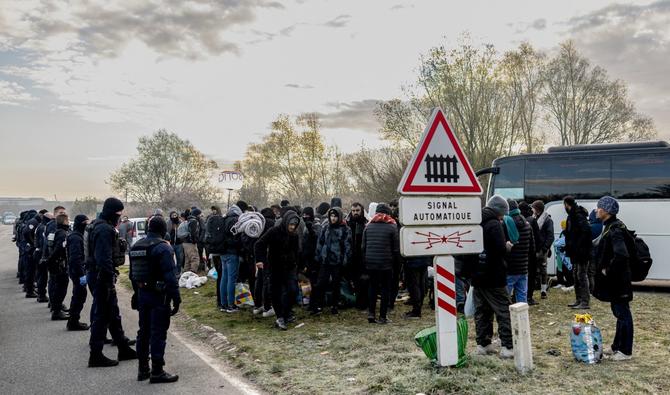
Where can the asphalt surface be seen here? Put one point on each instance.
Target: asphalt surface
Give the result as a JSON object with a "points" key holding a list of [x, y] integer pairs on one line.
{"points": [[38, 355]]}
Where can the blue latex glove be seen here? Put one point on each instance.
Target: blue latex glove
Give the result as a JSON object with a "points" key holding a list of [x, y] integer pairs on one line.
{"points": [[82, 281]]}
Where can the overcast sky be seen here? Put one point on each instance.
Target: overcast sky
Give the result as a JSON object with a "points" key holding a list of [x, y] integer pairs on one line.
{"points": [[81, 81]]}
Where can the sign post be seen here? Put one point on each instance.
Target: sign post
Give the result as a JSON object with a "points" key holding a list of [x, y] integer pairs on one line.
{"points": [[443, 222]]}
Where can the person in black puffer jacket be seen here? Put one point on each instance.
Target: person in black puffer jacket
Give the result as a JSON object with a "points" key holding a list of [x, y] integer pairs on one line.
{"points": [[278, 247], [517, 259], [533, 276], [578, 249], [333, 252], [381, 252], [490, 280]]}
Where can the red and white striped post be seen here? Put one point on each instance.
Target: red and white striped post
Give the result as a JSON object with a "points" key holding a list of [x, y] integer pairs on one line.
{"points": [[445, 311]]}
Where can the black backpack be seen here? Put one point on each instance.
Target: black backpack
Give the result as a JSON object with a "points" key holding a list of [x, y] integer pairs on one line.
{"points": [[214, 233], [640, 257]]}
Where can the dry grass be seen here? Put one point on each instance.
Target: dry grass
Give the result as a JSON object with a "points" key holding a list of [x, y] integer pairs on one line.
{"points": [[345, 354]]}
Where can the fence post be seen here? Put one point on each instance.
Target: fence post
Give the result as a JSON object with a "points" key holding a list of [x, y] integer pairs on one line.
{"points": [[523, 352]]}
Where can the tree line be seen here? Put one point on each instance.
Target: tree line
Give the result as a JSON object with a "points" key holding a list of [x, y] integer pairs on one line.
{"points": [[498, 104]]}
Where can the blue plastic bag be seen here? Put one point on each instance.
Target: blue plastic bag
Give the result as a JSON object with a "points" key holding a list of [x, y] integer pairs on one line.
{"points": [[587, 343]]}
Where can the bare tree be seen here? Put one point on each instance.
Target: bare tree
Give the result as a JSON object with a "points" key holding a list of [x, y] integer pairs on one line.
{"points": [[585, 106], [166, 166]]}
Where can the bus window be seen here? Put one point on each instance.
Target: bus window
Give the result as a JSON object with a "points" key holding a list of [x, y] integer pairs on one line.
{"points": [[643, 176], [553, 179], [509, 181]]}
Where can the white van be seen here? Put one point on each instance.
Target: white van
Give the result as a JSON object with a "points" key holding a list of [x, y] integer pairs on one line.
{"points": [[139, 229]]}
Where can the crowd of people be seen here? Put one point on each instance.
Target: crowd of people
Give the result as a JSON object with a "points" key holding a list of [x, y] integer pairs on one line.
{"points": [[276, 249], [518, 240]]}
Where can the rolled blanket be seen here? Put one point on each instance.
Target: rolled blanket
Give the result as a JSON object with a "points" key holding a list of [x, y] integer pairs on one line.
{"points": [[251, 223]]}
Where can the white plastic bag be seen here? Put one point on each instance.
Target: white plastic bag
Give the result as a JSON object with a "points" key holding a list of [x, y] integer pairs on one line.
{"points": [[184, 278], [470, 303], [191, 280]]}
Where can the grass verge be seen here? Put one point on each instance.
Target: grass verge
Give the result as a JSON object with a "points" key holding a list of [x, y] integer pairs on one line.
{"points": [[345, 354]]}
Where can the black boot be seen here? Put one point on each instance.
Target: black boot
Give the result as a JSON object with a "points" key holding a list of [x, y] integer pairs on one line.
{"points": [[75, 325], [130, 342], [158, 375], [143, 371], [99, 360], [42, 299], [126, 353], [58, 315], [31, 294]]}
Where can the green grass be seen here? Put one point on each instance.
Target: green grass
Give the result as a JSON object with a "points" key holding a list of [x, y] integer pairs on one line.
{"points": [[345, 354]]}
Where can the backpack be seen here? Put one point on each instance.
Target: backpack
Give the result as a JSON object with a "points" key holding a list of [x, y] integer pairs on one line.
{"points": [[214, 235], [640, 257], [182, 231]]}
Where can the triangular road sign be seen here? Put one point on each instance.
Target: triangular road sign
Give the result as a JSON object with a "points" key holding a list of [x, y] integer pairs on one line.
{"points": [[439, 166]]}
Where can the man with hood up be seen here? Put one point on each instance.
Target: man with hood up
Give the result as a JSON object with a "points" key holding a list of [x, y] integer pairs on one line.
{"points": [[333, 252], [77, 272], [279, 249], [104, 251], [262, 289]]}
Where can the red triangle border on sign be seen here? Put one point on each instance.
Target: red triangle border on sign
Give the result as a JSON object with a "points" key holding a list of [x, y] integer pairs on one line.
{"points": [[408, 187]]}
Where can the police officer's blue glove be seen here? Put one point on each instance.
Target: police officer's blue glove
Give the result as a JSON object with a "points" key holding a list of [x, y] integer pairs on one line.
{"points": [[82, 281]]}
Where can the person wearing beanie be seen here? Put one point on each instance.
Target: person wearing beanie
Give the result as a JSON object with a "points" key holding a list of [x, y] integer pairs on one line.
{"points": [[152, 274], [242, 205], [322, 209], [613, 276], [77, 272], [544, 244], [519, 256], [354, 273], [490, 282], [381, 252], [335, 202], [106, 253], [284, 203], [578, 246], [333, 252]]}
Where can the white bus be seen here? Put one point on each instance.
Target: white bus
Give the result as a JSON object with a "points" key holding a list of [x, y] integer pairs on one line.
{"points": [[637, 174]]}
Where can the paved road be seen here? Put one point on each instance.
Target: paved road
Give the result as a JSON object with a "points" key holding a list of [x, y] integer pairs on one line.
{"points": [[38, 355]]}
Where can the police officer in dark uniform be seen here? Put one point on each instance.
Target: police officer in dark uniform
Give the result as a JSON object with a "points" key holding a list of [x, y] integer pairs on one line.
{"points": [[104, 251], [29, 264], [77, 272], [42, 275], [18, 239], [57, 266], [54, 280], [152, 272]]}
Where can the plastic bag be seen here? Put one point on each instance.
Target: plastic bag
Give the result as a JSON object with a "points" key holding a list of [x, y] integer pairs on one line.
{"points": [[213, 274], [243, 295], [426, 339], [586, 340], [191, 280], [470, 303]]}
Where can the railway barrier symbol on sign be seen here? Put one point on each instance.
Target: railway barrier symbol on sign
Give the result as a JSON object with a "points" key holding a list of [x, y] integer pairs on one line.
{"points": [[441, 168]]}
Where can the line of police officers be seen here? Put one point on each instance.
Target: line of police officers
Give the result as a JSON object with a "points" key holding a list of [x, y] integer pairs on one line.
{"points": [[51, 254]]}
